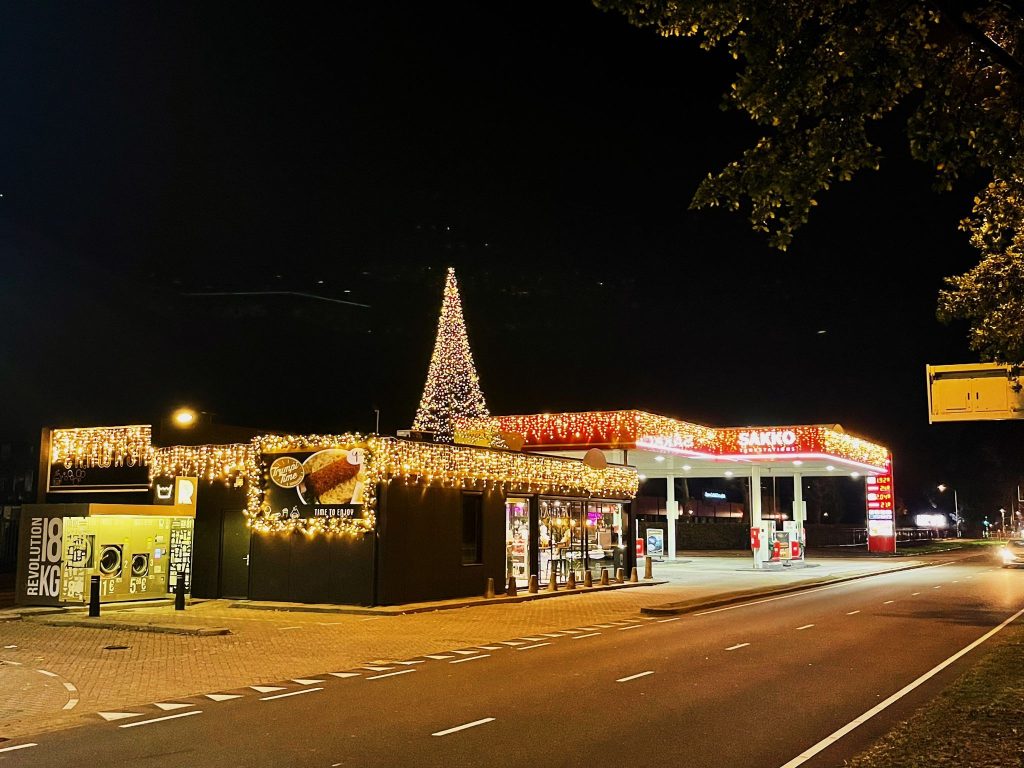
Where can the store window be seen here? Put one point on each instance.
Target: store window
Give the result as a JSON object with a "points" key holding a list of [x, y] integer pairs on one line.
{"points": [[517, 539], [472, 529], [579, 535]]}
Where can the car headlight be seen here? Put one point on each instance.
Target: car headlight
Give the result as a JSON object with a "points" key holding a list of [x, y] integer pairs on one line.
{"points": [[1008, 556]]}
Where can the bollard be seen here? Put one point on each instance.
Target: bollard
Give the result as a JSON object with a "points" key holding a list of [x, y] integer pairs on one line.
{"points": [[94, 596], [489, 591], [604, 577], [532, 588], [552, 583], [588, 580], [179, 592], [619, 576], [648, 567], [633, 576], [570, 583], [512, 590]]}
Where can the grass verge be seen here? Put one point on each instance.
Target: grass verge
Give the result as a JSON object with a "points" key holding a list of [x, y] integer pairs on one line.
{"points": [[976, 722]]}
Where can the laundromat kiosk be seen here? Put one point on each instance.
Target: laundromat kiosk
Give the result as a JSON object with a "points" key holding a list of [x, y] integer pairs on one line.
{"points": [[139, 551]]}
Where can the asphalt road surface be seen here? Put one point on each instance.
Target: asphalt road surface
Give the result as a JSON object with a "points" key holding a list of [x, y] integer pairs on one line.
{"points": [[759, 684]]}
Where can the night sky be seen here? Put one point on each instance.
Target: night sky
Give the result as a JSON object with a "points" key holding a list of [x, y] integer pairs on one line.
{"points": [[548, 151]]}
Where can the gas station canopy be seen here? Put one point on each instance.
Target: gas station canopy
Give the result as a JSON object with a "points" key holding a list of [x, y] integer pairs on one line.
{"points": [[655, 443]]}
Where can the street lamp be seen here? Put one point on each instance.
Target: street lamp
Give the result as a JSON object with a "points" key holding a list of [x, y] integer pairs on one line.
{"points": [[956, 506], [1002, 516]]}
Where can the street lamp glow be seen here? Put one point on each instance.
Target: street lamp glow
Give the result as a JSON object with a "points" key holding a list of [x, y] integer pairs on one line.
{"points": [[942, 487], [184, 417], [659, 458]]}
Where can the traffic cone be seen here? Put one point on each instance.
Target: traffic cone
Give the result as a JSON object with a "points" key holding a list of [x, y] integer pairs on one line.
{"points": [[532, 588], [588, 580], [512, 590], [649, 567], [633, 576], [489, 592], [570, 583], [604, 577]]}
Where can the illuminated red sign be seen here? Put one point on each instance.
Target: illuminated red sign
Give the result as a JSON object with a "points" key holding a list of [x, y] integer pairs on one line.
{"points": [[881, 511]]}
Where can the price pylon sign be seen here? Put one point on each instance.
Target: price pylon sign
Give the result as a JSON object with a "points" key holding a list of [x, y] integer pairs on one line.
{"points": [[881, 508]]}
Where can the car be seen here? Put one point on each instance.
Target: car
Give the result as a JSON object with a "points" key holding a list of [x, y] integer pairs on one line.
{"points": [[1013, 553]]}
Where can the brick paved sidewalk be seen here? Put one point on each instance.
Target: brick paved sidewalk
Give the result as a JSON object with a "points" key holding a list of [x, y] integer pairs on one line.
{"points": [[112, 669]]}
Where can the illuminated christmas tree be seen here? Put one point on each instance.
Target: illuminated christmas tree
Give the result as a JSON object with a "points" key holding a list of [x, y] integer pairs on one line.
{"points": [[453, 387]]}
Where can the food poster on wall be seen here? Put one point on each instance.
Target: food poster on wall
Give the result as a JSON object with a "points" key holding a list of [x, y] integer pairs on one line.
{"points": [[326, 484], [79, 559]]}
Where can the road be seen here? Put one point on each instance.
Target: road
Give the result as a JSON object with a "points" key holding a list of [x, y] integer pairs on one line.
{"points": [[751, 685]]}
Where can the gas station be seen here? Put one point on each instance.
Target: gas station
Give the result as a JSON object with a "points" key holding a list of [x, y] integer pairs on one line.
{"points": [[659, 447]]}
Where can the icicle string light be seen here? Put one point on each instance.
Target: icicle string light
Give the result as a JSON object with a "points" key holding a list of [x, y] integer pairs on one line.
{"points": [[104, 447]]}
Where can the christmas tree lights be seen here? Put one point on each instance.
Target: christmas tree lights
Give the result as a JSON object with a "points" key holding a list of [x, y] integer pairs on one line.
{"points": [[453, 387]]}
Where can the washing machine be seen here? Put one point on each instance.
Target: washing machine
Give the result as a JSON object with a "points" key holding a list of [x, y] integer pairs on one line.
{"points": [[111, 562]]}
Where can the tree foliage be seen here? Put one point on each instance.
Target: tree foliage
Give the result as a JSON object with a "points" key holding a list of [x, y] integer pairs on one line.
{"points": [[815, 75]]}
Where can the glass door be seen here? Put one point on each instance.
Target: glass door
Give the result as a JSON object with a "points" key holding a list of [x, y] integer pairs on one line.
{"points": [[517, 540]]}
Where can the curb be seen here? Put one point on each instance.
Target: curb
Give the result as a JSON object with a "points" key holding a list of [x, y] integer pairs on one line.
{"points": [[165, 629], [730, 598], [399, 610]]}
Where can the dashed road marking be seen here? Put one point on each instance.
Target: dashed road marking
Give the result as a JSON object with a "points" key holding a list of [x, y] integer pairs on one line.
{"points": [[887, 602], [283, 629], [379, 669], [344, 674], [531, 639], [282, 695], [805, 626], [737, 646], [634, 677], [581, 637], [937, 586], [161, 719], [604, 626], [914, 594], [437, 657], [531, 647], [70, 687], [851, 613], [489, 647], [572, 631], [47, 673], [468, 658], [410, 663], [18, 746], [513, 642], [170, 706], [223, 696], [305, 681], [631, 626], [551, 634], [72, 703], [266, 688], [391, 674], [108, 716], [666, 621], [463, 727], [465, 653]]}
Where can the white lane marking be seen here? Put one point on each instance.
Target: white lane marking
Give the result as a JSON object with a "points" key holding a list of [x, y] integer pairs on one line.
{"points": [[937, 586], [285, 629], [802, 592], [108, 716], [329, 623], [266, 688], [805, 626], [581, 637], [457, 728], [468, 658], [591, 629], [571, 631], [968, 577], [13, 663], [631, 626], [550, 634], [851, 613], [48, 674], [666, 621], [223, 696], [305, 681], [888, 601], [19, 746], [70, 687], [604, 626], [7, 648], [438, 657], [803, 757], [513, 642], [391, 674], [410, 663], [489, 647], [530, 647], [914, 594], [169, 706], [290, 693], [956, 581], [72, 703], [634, 677], [737, 646], [382, 669], [466, 653], [161, 719], [531, 639], [372, 618], [648, 618], [343, 674]]}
